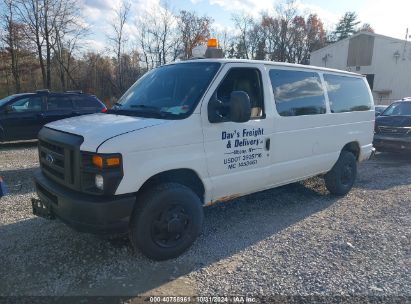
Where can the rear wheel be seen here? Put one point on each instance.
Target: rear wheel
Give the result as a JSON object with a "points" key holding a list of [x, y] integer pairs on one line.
{"points": [[340, 179], [166, 221]]}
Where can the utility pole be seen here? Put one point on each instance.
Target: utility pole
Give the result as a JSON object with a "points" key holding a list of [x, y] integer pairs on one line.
{"points": [[405, 43]]}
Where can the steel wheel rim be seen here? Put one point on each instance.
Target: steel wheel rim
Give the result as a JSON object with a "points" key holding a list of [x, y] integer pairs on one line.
{"points": [[169, 226]]}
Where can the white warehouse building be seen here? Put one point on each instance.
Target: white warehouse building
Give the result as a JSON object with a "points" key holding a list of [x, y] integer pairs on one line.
{"points": [[384, 60]]}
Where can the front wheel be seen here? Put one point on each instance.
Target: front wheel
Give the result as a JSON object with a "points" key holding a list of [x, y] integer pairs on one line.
{"points": [[340, 179], [166, 221]]}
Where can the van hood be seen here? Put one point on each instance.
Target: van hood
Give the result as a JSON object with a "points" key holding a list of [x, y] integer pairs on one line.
{"points": [[97, 128], [393, 121]]}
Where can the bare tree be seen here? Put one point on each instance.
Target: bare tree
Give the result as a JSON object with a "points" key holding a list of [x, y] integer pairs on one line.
{"points": [[45, 21], [29, 13], [244, 23], [118, 39], [12, 40], [271, 29], [366, 27], [68, 32], [286, 14], [193, 30], [224, 39], [157, 39]]}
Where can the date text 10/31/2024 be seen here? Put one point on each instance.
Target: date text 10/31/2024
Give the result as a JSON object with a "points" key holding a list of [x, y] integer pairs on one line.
{"points": [[203, 299]]}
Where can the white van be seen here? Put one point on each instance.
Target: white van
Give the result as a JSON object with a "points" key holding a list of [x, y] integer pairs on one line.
{"points": [[189, 134]]}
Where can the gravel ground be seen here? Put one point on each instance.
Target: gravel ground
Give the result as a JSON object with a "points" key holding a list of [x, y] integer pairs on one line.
{"points": [[293, 240]]}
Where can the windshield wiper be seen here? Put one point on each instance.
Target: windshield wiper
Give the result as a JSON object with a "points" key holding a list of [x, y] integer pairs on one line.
{"points": [[137, 110], [143, 106], [148, 108]]}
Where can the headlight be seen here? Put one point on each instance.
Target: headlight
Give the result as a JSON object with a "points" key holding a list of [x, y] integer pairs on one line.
{"points": [[101, 173], [99, 181]]}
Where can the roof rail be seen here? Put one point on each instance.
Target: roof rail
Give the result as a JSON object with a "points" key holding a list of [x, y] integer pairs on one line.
{"points": [[43, 91], [75, 91]]}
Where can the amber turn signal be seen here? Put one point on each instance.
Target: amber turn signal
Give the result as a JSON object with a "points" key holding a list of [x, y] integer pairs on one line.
{"points": [[97, 161], [113, 162]]}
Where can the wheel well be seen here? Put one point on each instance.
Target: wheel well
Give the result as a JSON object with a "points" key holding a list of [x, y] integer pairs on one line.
{"points": [[186, 177], [354, 148]]}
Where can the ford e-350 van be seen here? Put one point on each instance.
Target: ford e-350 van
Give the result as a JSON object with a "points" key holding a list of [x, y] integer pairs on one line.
{"points": [[192, 133]]}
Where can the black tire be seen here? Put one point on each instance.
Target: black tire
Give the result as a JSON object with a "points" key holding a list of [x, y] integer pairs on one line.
{"points": [[340, 179], [166, 221]]}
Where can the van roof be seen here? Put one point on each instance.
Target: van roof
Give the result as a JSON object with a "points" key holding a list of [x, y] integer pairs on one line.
{"points": [[271, 63]]}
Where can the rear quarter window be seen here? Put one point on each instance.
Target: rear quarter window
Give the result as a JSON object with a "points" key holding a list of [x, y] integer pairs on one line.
{"points": [[59, 103], [297, 92], [347, 94], [81, 102]]}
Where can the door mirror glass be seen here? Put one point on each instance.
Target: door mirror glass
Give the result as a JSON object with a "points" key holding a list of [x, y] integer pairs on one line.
{"points": [[240, 107]]}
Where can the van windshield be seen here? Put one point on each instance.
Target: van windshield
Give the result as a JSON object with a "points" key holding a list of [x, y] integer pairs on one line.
{"points": [[398, 109], [171, 91]]}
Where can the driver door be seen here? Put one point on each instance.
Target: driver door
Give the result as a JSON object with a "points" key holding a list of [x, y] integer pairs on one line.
{"points": [[24, 119], [238, 154]]}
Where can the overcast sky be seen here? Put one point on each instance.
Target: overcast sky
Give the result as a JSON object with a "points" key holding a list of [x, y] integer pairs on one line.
{"points": [[387, 17]]}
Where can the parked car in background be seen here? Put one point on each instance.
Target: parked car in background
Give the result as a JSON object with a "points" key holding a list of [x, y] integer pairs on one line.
{"points": [[23, 115], [379, 109], [393, 128]]}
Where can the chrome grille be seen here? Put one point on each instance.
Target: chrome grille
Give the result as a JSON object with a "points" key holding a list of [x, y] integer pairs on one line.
{"points": [[59, 155], [394, 130], [55, 159]]}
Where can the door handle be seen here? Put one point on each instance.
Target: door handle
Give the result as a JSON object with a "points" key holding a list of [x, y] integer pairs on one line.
{"points": [[267, 144], [76, 113], [40, 115]]}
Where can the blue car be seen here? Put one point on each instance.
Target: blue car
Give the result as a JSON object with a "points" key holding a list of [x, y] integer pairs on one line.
{"points": [[23, 115]]}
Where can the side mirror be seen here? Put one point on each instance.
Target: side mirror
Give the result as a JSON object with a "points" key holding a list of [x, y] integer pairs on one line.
{"points": [[8, 109], [377, 113], [238, 109]]}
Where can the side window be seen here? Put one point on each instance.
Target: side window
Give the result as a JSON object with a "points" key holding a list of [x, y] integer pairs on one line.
{"points": [[347, 94], [247, 80], [297, 92], [81, 102], [28, 104], [59, 103]]}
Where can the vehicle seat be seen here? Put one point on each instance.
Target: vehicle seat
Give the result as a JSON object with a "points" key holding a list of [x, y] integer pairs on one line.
{"points": [[245, 85]]}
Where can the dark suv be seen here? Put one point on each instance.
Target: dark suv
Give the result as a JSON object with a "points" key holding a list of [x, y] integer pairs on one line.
{"points": [[393, 128], [23, 115]]}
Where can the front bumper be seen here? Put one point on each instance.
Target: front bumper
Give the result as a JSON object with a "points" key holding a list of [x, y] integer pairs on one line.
{"points": [[85, 212], [387, 143]]}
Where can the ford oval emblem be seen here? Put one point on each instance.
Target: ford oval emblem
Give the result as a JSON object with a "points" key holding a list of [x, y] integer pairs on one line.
{"points": [[49, 158]]}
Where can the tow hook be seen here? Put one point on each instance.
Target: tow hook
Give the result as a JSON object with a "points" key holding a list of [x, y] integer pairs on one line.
{"points": [[42, 209]]}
